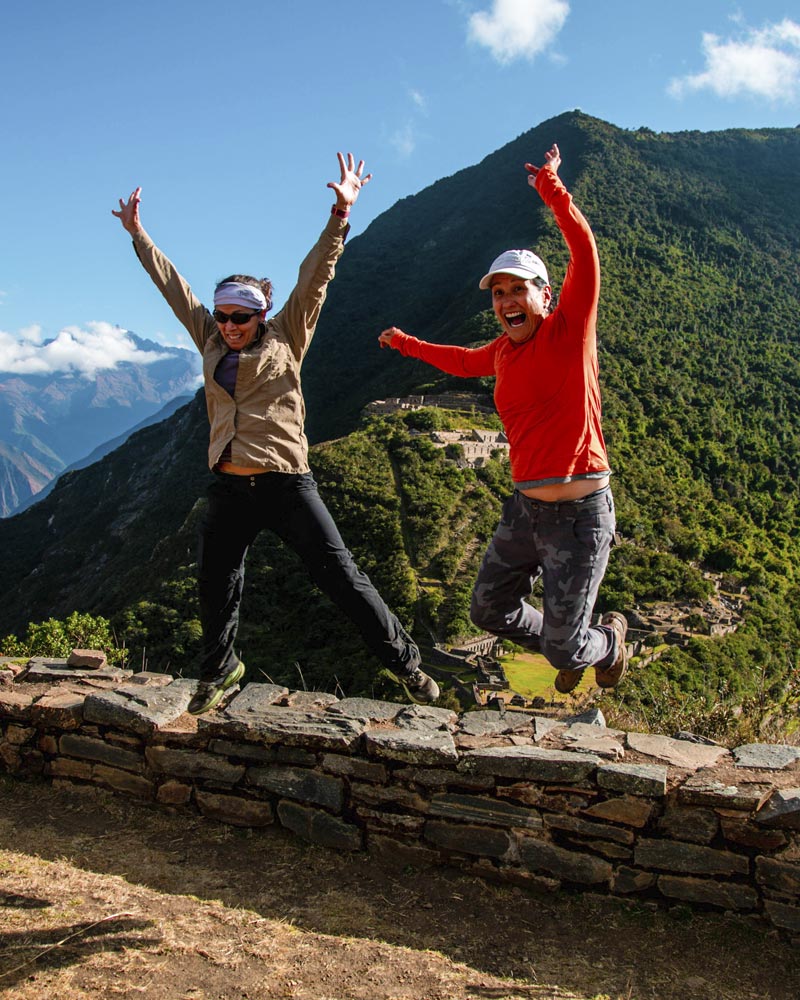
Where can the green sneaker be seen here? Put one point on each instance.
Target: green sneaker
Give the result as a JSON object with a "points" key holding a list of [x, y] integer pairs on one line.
{"points": [[209, 693]]}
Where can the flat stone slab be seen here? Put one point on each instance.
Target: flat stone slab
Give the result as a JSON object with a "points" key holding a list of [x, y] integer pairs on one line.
{"points": [[368, 709], [766, 756], [62, 709], [466, 838], [703, 789], [425, 717], [256, 697], [679, 753], [15, 705], [542, 726], [532, 763], [274, 724], [482, 809], [584, 737], [712, 892], [192, 764], [88, 659], [487, 723], [541, 856], [151, 679], [690, 859], [783, 915], [320, 827], [139, 709], [412, 745], [301, 783], [593, 730], [782, 810], [309, 700], [635, 779], [608, 749], [42, 669], [780, 876], [594, 717]]}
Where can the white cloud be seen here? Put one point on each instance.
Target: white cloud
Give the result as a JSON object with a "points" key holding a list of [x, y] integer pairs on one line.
{"points": [[404, 140], [418, 99], [762, 63], [83, 351], [518, 29], [174, 338]]}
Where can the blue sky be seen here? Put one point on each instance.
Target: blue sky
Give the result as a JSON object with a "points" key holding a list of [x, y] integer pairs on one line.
{"points": [[230, 119]]}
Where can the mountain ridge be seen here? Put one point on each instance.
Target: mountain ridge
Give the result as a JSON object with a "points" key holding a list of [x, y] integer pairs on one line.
{"points": [[48, 421]]}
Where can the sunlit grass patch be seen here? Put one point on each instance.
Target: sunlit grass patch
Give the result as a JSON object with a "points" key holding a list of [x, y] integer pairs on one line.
{"points": [[532, 676]]}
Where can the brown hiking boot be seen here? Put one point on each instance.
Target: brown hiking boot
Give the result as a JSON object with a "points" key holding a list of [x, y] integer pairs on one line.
{"points": [[609, 677], [418, 686], [567, 680]]}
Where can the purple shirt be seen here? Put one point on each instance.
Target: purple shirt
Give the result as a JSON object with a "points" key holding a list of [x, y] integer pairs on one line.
{"points": [[225, 375]]}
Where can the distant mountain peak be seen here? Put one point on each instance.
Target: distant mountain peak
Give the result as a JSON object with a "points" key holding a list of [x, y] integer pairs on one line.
{"points": [[49, 419]]}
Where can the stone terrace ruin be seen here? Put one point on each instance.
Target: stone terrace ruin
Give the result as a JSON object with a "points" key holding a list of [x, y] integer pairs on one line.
{"points": [[515, 797]]}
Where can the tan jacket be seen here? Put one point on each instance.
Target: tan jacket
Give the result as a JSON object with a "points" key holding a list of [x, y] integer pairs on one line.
{"points": [[264, 421]]}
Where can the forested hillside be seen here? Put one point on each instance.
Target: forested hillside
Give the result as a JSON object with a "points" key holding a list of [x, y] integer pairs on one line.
{"points": [[699, 330]]}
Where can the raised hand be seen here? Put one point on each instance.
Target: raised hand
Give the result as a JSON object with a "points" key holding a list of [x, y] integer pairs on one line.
{"points": [[552, 159], [128, 213], [351, 182], [385, 338]]}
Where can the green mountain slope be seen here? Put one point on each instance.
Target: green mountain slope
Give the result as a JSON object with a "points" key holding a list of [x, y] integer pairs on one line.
{"points": [[106, 534]]}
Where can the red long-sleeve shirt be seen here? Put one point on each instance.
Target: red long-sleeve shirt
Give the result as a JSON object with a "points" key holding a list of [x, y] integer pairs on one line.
{"points": [[547, 390]]}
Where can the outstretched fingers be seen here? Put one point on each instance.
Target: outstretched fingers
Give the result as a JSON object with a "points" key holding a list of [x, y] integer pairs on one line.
{"points": [[552, 159], [553, 156], [128, 213], [359, 171], [351, 181]]}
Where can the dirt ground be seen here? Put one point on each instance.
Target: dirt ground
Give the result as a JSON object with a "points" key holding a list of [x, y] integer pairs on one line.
{"points": [[100, 897]]}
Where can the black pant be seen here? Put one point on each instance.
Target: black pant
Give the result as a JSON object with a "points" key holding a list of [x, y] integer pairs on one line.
{"points": [[290, 505]]}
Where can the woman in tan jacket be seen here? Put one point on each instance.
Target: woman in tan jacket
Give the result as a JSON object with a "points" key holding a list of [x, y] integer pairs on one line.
{"points": [[258, 450]]}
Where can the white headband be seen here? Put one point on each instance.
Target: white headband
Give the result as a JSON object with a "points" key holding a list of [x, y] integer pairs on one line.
{"points": [[236, 293]]}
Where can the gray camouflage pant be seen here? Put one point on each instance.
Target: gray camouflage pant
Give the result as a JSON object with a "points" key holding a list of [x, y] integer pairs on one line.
{"points": [[567, 544]]}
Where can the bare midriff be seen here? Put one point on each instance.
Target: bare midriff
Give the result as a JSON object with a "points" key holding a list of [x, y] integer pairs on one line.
{"points": [[560, 492], [239, 470]]}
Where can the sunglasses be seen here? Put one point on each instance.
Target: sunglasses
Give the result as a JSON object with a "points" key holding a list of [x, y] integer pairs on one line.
{"points": [[238, 318]]}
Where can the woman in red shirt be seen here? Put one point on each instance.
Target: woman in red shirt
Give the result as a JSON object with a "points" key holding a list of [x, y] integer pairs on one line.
{"points": [[559, 523]]}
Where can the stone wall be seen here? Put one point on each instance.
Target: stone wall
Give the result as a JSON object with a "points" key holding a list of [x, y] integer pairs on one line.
{"points": [[510, 797]]}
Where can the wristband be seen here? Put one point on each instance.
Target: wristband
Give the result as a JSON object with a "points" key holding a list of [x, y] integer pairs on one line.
{"points": [[340, 213]]}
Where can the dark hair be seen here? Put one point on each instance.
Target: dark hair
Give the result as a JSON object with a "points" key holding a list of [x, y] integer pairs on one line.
{"points": [[264, 284], [541, 283]]}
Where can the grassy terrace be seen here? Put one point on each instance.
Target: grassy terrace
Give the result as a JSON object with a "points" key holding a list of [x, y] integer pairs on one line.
{"points": [[532, 676]]}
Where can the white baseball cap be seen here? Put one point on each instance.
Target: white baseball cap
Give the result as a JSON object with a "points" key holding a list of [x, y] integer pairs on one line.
{"points": [[522, 263]]}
